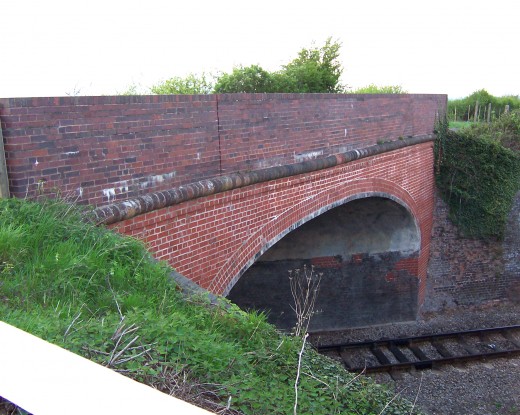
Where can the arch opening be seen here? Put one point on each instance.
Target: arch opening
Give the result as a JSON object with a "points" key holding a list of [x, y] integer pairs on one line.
{"points": [[366, 251]]}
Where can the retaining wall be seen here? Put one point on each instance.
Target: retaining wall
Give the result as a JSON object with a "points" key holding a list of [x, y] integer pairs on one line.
{"points": [[466, 272]]}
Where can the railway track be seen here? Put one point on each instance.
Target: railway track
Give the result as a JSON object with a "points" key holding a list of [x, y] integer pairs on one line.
{"points": [[426, 352]]}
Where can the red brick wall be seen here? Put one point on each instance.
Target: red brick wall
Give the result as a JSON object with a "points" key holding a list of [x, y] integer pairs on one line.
{"points": [[108, 147], [213, 239], [262, 130], [101, 149]]}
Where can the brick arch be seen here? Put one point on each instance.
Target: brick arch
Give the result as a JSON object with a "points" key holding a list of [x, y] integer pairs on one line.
{"points": [[307, 209], [213, 239]]}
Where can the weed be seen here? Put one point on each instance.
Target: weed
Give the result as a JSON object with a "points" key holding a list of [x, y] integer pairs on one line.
{"points": [[305, 286]]}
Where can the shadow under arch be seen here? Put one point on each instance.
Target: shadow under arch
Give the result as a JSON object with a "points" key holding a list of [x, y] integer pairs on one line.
{"points": [[365, 245]]}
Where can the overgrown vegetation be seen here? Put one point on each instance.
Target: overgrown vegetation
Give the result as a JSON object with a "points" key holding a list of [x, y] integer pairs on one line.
{"points": [[100, 295], [464, 109], [478, 173], [191, 84], [316, 69], [375, 89]]}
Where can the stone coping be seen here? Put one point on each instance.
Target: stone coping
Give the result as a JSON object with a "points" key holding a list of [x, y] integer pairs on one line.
{"points": [[120, 211]]}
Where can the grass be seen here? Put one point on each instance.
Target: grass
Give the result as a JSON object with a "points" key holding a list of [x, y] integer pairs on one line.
{"points": [[459, 124], [93, 292]]}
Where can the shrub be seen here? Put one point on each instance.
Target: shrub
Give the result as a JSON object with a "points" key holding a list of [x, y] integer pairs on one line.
{"points": [[465, 107], [477, 176], [251, 79], [374, 89], [190, 84], [505, 130]]}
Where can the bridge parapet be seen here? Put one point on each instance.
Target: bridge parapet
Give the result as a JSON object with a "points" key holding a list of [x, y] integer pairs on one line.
{"points": [[210, 183], [104, 149], [265, 130]]}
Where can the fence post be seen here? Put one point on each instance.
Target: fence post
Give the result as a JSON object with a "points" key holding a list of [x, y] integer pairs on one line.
{"points": [[4, 181], [475, 117], [489, 113]]}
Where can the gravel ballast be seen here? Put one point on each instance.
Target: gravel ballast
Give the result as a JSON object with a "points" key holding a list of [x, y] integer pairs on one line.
{"points": [[491, 387]]}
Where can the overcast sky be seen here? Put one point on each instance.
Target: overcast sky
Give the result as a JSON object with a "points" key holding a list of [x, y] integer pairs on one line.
{"points": [[100, 47]]}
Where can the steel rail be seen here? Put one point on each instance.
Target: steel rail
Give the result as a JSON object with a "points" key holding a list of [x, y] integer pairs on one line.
{"points": [[423, 362]]}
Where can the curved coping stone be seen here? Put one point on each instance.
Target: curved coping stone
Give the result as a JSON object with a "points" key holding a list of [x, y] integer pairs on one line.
{"points": [[117, 212]]}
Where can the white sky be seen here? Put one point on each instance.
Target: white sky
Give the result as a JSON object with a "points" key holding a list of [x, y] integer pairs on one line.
{"points": [[100, 47]]}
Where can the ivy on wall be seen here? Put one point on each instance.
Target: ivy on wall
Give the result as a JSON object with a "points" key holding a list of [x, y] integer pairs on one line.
{"points": [[478, 178]]}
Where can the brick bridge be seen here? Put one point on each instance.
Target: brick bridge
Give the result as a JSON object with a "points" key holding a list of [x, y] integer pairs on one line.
{"points": [[234, 190]]}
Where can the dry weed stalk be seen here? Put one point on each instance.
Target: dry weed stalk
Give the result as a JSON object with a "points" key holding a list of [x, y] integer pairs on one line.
{"points": [[305, 285], [304, 289]]}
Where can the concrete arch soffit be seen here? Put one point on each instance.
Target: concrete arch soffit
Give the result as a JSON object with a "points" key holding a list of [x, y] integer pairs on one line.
{"points": [[266, 244]]}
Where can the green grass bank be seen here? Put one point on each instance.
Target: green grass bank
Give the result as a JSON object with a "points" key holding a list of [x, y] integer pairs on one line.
{"points": [[101, 295]]}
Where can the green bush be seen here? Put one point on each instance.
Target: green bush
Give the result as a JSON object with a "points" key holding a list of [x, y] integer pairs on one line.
{"points": [[192, 84], [478, 176], [504, 130], [251, 79], [375, 89]]}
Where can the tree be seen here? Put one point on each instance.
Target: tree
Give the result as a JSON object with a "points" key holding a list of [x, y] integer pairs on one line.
{"points": [[190, 84], [315, 70], [374, 89], [249, 79]]}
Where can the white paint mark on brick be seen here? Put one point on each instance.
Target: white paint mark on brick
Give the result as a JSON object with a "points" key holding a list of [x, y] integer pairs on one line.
{"points": [[124, 187], [159, 178], [307, 156], [110, 194], [344, 149]]}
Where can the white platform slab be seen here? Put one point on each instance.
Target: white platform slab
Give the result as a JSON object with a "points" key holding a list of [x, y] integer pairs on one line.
{"points": [[45, 379]]}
